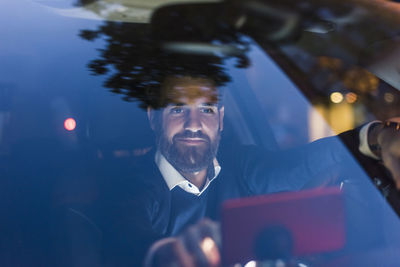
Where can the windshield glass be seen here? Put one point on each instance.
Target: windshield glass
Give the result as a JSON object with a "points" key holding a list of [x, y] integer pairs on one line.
{"points": [[126, 122]]}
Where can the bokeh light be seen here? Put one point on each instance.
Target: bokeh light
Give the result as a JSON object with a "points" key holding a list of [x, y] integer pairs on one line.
{"points": [[351, 97], [70, 124], [389, 97], [251, 264], [336, 97]]}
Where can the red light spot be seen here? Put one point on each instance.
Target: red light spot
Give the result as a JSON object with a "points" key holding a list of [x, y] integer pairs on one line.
{"points": [[69, 124]]}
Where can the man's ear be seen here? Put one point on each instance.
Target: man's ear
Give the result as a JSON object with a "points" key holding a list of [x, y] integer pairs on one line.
{"points": [[150, 116], [221, 118]]}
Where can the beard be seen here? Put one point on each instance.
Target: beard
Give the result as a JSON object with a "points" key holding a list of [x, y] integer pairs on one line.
{"points": [[188, 158]]}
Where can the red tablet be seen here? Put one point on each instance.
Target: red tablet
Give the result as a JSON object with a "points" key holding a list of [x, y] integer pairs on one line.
{"points": [[283, 225]]}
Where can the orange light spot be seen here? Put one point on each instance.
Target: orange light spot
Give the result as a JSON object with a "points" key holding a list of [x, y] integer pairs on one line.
{"points": [[351, 97], [69, 124]]}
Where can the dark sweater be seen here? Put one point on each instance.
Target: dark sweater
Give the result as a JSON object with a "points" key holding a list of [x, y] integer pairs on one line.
{"points": [[142, 209], [137, 207]]}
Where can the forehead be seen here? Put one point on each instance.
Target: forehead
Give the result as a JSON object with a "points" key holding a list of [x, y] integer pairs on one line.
{"points": [[188, 90]]}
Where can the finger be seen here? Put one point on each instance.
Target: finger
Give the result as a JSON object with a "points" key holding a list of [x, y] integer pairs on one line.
{"points": [[201, 241], [392, 163], [211, 251]]}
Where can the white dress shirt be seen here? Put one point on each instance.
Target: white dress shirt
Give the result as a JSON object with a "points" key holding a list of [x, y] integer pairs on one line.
{"points": [[173, 178]]}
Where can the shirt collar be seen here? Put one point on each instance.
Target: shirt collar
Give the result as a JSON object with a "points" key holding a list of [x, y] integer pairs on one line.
{"points": [[173, 178]]}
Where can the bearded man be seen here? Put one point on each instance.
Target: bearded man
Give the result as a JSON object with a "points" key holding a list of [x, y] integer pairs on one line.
{"points": [[188, 131], [182, 182]]}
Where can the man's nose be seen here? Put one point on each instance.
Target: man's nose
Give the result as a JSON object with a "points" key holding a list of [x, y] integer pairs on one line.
{"points": [[192, 122]]}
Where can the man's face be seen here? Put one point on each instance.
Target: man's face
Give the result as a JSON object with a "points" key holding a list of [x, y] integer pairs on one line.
{"points": [[190, 125]]}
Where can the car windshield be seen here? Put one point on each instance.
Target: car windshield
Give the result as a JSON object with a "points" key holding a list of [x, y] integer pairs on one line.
{"points": [[130, 121]]}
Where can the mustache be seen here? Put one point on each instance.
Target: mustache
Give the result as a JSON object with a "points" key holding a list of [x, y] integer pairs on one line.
{"points": [[190, 134]]}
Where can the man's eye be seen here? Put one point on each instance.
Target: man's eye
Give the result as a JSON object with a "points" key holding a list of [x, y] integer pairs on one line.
{"points": [[208, 110], [176, 110]]}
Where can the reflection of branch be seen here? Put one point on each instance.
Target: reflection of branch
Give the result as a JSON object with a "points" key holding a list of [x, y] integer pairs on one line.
{"points": [[136, 62], [84, 2]]}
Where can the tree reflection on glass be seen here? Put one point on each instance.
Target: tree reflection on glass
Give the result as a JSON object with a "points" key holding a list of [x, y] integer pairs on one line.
{"points": [[135, 59]]}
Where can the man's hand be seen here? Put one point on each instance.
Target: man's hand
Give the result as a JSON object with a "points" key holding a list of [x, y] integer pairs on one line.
{"points": [[203, 242], [388, 139], [198, 245]]}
